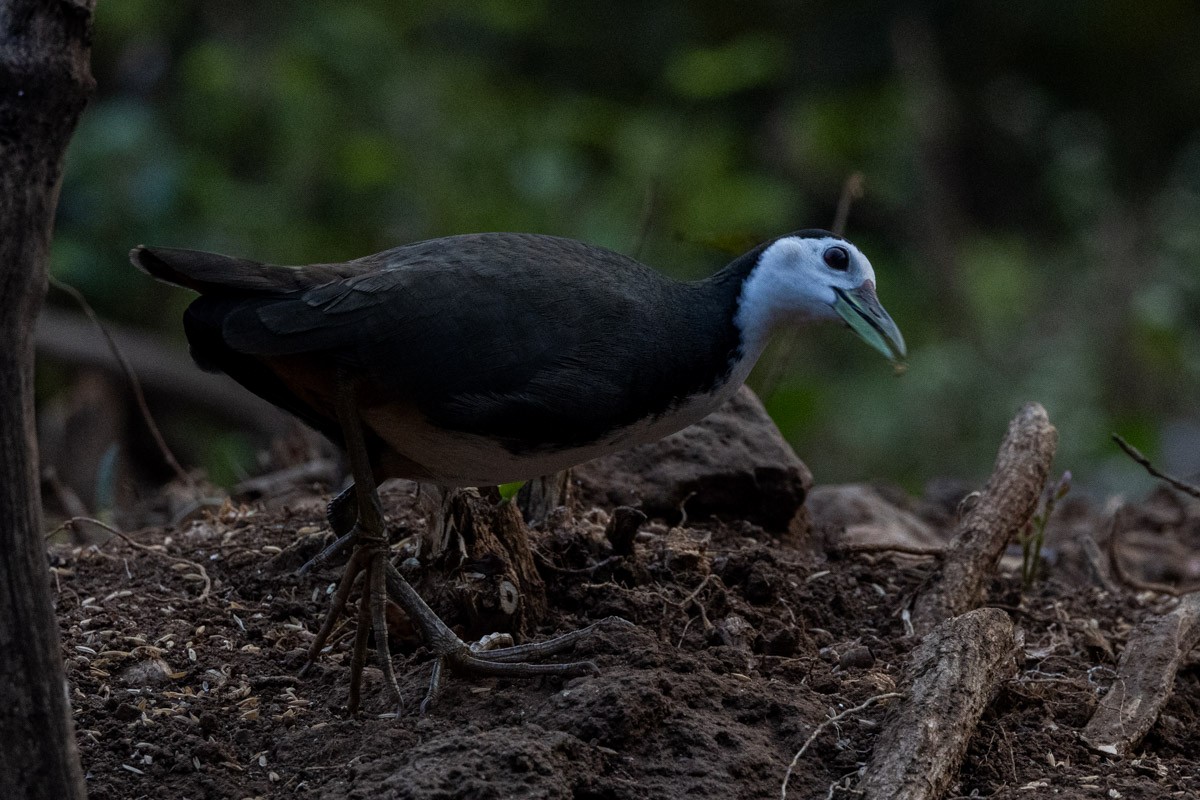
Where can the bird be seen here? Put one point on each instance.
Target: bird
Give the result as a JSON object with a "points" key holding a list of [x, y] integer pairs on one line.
{"points": [[484, 359]]}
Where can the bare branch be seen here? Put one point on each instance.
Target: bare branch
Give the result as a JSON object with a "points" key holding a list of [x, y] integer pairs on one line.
{"points": [[1136, 455]]}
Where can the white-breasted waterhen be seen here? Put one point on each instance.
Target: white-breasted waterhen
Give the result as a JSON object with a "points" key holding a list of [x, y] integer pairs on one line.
{"points": [[484, 359]]}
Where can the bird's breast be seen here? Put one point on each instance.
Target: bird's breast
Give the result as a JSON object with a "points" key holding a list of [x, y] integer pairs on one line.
{"points": [[455, 458]]}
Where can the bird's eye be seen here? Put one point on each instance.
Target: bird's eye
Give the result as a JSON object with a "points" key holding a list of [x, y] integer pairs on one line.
{"points": [[837, 257]]}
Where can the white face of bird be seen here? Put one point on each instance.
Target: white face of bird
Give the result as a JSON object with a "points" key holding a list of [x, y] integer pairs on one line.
{"points": [[811, 278]]}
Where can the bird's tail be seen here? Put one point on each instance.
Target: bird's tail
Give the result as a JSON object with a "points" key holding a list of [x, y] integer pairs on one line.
{"points": [[211, 273]]}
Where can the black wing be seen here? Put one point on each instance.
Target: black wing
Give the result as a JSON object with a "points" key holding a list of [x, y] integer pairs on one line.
{"points": [[537, 341]]}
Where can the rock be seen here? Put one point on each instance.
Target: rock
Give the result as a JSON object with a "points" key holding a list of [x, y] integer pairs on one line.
{"points": [[856, 514], [733, 462], [858, 657], [151, 672]]}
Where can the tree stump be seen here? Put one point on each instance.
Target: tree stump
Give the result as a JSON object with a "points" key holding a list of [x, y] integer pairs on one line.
{"points": [[477, 569]]}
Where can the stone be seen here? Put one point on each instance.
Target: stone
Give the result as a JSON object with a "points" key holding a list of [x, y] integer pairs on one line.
{"points": [[734, 463]]}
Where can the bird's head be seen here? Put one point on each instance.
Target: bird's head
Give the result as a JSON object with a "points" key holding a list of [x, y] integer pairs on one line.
{"points": [[810, 276]]}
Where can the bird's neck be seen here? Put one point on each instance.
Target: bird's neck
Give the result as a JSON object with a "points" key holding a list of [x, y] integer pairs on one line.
{"points": [[714, 316]]}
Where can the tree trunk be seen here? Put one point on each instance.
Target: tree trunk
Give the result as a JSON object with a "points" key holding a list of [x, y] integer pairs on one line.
{"points": [[45, 81]]}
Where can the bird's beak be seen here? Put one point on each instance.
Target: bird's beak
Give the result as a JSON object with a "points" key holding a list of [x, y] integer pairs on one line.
{"points": [[861, 309]]}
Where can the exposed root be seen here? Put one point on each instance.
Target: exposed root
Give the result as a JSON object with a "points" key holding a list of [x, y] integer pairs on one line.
{"points": [[870, 701]]}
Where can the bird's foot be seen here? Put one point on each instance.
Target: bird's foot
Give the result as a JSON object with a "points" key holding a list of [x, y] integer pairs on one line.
{"points": [[493, 656], [496, 656], [369, 559]]}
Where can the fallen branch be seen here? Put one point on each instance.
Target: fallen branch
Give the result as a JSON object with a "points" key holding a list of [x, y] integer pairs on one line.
{"points": [[1137, 456], [848, 548], [1145, 678], [322, 470], [164, 371], [955, 672], [870, 701], [1006, 505]]}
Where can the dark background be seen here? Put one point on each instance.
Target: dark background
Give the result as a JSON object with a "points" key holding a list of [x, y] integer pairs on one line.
{"points": [[1031, 172]]}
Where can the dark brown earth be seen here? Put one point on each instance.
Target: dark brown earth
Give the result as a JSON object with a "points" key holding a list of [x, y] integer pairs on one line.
{"points": [[183, 652]]}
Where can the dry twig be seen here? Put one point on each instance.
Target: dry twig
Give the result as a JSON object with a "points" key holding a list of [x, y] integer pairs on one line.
{"points": [[1132, 581], [69, 526], [885, 547], [870, 701], [1137, 456], [852, 190], [131, 376]]}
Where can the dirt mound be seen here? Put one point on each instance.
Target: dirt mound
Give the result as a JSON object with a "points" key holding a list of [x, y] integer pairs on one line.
{"points": [[183, 647], [742, 646]]}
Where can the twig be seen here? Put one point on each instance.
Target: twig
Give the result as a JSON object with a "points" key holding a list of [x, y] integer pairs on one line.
{"points": [[69, 526], [68, 500], [167, 455], [645, 219], [1137, 456], [852, 190], [885, 547], [817, 732], [588, 571], [696, 592]]}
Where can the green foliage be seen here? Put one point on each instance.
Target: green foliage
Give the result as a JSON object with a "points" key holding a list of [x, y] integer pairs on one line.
{"points": [[1033, 537], [1031, 191], [509, 490]]}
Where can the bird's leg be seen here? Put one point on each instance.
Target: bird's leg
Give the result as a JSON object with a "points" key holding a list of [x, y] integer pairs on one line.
{"points": [[383, 580], [358, 656], [505, 662], [336, 607], [371, 539]]}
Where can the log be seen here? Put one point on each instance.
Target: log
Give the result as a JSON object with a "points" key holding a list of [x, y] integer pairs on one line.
{"points": [[45, 82], [1145, 678], [1004, 508], [954, 673], [165, 371]]}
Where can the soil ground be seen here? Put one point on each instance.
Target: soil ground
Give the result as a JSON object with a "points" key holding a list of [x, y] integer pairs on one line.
{"points": [[183, 652]]}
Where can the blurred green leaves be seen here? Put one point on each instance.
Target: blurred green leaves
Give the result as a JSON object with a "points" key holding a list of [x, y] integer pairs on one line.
{"points": [[747, 62], [1066, 269]]}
